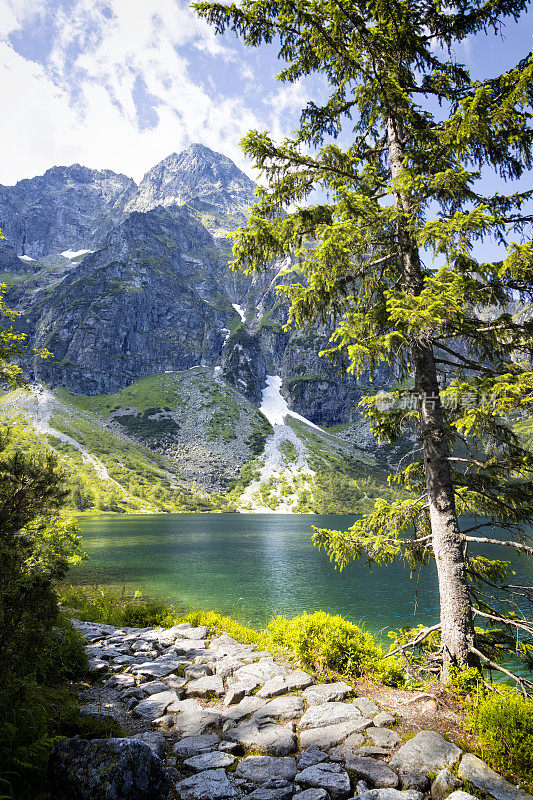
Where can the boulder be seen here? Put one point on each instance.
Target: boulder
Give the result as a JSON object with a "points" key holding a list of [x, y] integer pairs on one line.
{"points": [[311, 757], [330, 777], [426, 752], [444, 784], [106, 769], [313, 794], [383, 719], [196, 671], [476, 772], [374, 772], [262, 671], [282, 684], [260, 769], [155, 705], [213, 784], [155, 740]]}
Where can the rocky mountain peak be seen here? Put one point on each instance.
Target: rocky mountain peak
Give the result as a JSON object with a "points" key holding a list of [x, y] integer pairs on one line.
{"points": [[198, 176]]}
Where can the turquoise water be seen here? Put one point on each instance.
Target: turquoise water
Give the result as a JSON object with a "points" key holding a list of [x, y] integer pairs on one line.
{"points": [[253, 566]]}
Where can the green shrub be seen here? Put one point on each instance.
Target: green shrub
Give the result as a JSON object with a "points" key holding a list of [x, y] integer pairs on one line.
{"points": [[216, 623], [325, 643], [98, 604], [503, 722], [465, 680]]}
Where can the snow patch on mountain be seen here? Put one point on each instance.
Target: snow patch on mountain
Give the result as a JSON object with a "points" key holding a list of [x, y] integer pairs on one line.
{"points": [[240, 311], [75, 253]]}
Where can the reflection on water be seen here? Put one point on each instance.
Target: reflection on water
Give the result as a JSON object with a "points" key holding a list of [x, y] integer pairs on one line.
{"points": [[251, 566]]}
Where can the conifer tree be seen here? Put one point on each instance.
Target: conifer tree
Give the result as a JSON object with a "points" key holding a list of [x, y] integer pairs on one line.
{"points": [[389, 255]]}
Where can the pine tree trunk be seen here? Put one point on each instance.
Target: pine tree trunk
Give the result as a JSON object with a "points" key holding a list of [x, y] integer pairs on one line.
{"points": [[457, 627]]}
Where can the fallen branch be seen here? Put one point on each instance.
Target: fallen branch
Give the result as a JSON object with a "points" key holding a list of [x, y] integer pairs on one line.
{"points": [[418, 638], [492, 664]]}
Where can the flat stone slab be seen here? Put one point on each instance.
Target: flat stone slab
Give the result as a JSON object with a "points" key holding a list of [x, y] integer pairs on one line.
{"points": [[311, 757], [326, 693], [320, 716], [375, 772], [152, 687], [426, 752], [155, 705], [213, 784], [227, 666], [476, 772], [195, 723], [288, 707], [331, 735], [313, 794], [392, 794], [383, 737], [214, 760], [179, 706], [460, 795], [247, 706], [282, 684], [208, 686], [349, 747], [331, 777], [272, 740], [367, 707], [195, 745], [383, 719], [260, 769], [273, 792], [262, 671], [159, 668], [191, 633]]}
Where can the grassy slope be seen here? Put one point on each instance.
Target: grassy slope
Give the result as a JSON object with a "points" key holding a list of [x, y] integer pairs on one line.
{"points": [[144, 438]]}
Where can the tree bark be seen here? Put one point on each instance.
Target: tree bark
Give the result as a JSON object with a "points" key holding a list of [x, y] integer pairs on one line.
{"points": [[457, 626]]}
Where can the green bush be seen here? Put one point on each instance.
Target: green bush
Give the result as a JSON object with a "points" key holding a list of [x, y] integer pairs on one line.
{"points": [[465, 680], [216, 623], [503, 722], [325, 643], [98, 604]]}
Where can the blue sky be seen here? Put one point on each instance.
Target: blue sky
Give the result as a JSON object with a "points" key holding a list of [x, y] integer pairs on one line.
{"points": [[120, 84]]}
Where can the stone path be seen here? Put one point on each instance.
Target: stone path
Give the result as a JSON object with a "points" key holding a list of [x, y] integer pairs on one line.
{"points": [[229, 722]]}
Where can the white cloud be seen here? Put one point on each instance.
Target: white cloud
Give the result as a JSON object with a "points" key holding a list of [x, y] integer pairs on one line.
{"points": [[78, 105]]}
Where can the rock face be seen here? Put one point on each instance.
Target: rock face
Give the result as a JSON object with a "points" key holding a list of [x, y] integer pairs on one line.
{"points": [[106, 769], [58, 210], [156, 294]]}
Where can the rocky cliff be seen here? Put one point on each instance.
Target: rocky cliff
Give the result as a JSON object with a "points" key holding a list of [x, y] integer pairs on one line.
{"points": [[120, 282]]}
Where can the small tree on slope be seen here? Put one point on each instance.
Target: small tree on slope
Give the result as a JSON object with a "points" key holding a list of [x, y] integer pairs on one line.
{"points": [[407, 187]]}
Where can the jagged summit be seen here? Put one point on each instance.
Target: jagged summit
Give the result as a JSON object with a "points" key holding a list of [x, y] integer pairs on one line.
{"points": [[199, 176]]}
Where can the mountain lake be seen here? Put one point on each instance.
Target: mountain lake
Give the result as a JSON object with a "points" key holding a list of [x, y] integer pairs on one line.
{"points": [[254, 566]]}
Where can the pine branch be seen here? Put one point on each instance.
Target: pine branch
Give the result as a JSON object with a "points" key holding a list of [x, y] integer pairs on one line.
{"points": [[483, 540], [418, 638], [526, 626]]}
